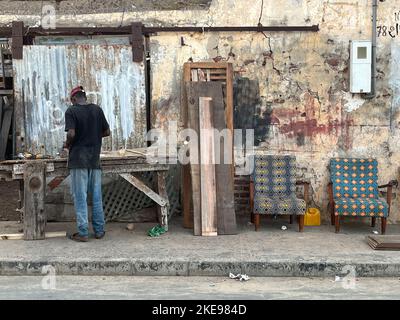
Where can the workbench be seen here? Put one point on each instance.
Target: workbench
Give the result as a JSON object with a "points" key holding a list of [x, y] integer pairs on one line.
{"points": [[34, 174]]}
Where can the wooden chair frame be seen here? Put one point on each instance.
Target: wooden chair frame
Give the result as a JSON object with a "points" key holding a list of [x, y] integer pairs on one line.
{"points": [[335, 220], [255, 217]]}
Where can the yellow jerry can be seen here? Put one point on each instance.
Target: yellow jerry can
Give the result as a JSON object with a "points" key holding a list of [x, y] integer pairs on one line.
{"points": [[312, 217]]}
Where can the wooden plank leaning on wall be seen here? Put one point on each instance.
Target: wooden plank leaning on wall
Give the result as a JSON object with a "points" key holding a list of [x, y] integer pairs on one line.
{"points": [[223, 171], [207, 169], [215, 72]]}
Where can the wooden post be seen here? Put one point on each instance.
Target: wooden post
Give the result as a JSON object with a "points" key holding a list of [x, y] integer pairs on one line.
{"points": [[17, 39], [207, 169], [34, 193], [21, 201], [137, 41], [162, 191]]}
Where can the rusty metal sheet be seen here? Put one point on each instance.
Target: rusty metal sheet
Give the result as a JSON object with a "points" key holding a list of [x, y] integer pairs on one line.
{"points": [[46, 75]]}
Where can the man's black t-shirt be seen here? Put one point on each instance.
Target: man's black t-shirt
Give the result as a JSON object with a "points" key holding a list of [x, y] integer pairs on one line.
{"points": [[89, 123]]}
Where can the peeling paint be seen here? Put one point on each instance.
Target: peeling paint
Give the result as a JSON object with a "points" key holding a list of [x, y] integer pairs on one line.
{"points": [[352, 103]]}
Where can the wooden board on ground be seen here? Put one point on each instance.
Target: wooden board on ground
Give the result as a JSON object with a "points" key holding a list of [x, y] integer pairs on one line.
{"points": [[207, 169], [224, 172], [20, 236], [384, 242]]}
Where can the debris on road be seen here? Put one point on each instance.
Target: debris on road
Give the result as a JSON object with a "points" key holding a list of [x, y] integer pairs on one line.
{"points": [[239, 277]]}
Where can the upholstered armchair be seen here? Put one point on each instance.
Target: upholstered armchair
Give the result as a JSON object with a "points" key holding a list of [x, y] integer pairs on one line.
{"points": [[354, 191], [273, 189]]}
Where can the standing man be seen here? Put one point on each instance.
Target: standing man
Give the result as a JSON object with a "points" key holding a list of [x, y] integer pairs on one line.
{"points": [[85, 125]]}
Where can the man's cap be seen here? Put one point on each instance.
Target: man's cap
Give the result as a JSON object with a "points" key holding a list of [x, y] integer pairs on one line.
{"points": [[76, 90]]}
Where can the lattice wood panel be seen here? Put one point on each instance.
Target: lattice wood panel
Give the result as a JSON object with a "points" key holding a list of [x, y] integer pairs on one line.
{"points": [[121, 200]]}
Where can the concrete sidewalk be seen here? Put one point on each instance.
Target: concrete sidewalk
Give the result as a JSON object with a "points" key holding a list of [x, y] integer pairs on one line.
{"points": [[269, 253]]}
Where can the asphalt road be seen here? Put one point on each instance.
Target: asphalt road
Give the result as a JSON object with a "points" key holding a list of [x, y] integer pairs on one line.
{"points": [[201, 288]]}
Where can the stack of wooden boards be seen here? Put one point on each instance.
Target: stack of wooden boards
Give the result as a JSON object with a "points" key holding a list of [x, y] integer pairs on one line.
{"points": [[384, 242], [208, 185], [6, 113]]}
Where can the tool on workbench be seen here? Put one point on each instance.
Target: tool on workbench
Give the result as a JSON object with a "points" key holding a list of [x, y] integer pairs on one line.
{"points": [[30, 156]]}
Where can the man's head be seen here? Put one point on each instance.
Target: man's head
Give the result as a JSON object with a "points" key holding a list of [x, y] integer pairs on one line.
{"points": [[78, 95]]}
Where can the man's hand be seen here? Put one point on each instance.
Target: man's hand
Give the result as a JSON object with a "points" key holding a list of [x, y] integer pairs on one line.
{"points": [[106, 133], [66, 145]]}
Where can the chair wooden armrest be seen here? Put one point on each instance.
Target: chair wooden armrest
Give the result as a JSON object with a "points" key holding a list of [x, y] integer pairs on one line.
{"points": [[389, 193], [306, 186]]}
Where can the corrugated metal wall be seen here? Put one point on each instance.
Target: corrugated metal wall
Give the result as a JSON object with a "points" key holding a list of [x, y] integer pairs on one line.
{"points": [[45, 76]]}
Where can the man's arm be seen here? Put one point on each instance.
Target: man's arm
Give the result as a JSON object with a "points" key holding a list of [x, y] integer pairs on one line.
{"points": [[70, 138], [69, 128], [104, 124]]}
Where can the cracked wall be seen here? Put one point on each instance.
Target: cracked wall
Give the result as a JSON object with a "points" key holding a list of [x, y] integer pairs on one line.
{"points": [[304, 105]]}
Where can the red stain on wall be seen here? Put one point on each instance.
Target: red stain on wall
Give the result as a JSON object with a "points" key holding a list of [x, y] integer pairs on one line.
{"points": [[306, 124], [311, 128]]}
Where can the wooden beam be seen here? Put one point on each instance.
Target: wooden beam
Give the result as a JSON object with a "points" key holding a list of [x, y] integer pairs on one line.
{"points": [[55, 182], [17, 39], [34, 193], [193, 123], [20, 236], [207, 169], [186, 180], [137, 42], [161, 201], [223, 170]]}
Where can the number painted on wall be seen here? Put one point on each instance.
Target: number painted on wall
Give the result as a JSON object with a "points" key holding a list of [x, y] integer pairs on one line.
{"points": [[392, 30]]}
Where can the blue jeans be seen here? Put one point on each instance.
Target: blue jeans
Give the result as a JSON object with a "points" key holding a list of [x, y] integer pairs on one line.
{"points": [[84, 181]]}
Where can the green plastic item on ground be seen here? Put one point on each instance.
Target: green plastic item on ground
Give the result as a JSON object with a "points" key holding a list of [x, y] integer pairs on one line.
{"points": [[156, 231]]}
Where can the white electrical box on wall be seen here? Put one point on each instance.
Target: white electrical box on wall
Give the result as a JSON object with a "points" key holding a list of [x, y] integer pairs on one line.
{"points": [[360, 66]]}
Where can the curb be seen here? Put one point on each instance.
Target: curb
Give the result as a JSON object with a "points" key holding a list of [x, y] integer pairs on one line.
{"points": [[125, 267]]}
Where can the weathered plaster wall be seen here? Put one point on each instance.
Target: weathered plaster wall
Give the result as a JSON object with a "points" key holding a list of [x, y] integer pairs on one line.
{"points": [[304, 105], [303, 80]]}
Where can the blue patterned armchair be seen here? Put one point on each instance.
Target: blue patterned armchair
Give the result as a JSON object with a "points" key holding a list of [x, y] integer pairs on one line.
{"points": [[354, 191], [273, 189]]}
